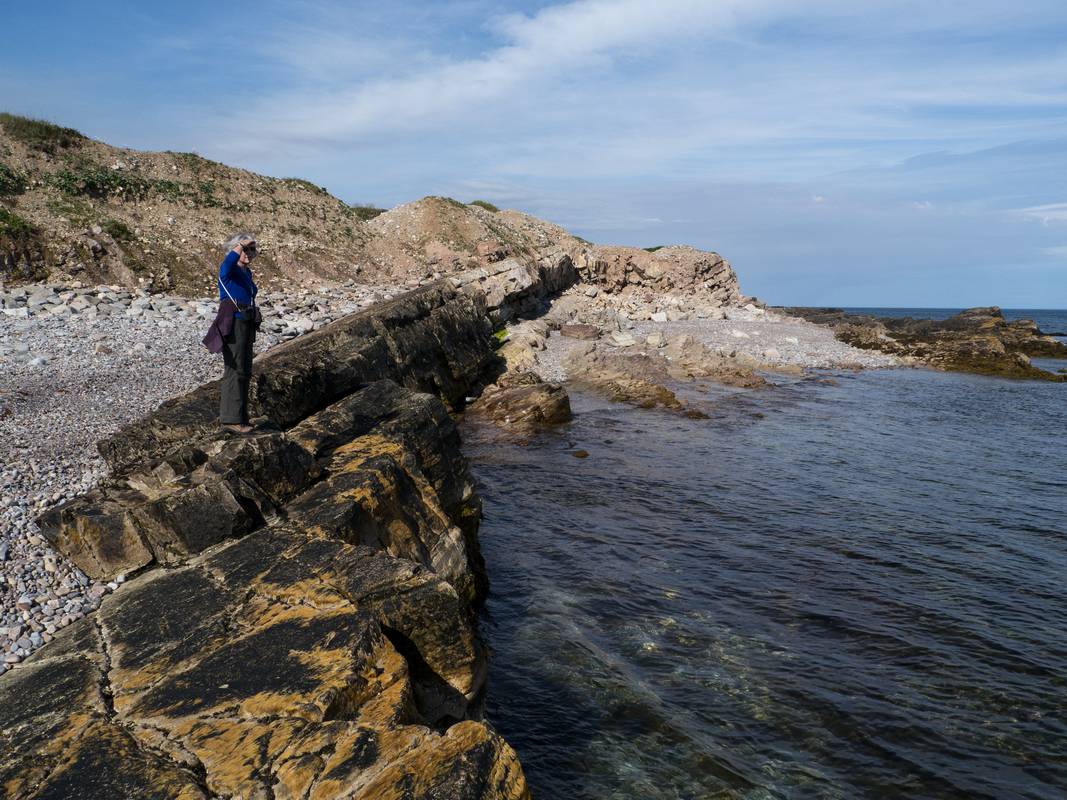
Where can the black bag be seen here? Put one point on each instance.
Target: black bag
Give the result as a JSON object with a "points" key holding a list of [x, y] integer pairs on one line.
{"points": [[251, 313]]}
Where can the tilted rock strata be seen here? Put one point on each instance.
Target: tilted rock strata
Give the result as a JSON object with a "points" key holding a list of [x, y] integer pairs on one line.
{"points": [[432, 339], [977, 340], [309, 634], [271, 667]]}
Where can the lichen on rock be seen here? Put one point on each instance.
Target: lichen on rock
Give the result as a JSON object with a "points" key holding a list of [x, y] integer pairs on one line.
{"points": [[299, 622]]}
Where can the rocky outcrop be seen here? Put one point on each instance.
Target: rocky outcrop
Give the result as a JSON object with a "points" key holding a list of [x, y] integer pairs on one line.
{"points": [[515, 287], [295, 379], [700, 275], [977, 340], [276, 666], [299, 621]]}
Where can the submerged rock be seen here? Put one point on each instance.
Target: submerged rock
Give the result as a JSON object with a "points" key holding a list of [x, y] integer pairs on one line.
{"points": [[524, 403]]}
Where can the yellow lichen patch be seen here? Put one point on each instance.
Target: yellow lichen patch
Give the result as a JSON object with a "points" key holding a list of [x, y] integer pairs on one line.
{"points": [[359, 757], [73, 729], [264, 611], [368, 446], [388, 698], [312, 591], [300, 761], [333, 675], [128, 684], [232, 751]]}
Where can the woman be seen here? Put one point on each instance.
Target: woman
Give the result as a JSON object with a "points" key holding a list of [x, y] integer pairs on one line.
{"points": [[234, 331]]}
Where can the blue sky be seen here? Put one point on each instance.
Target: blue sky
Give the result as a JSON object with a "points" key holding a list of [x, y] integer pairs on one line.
{"points": [[874, 153]]}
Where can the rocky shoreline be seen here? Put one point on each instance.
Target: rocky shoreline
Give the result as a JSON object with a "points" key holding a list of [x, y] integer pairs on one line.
{"points": [[353, 487], [300, 622], [78, 363], [75, 375], [978, 340]]}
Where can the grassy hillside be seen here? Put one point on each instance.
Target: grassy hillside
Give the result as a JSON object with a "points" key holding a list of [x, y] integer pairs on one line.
{"points": [[72, 206]]}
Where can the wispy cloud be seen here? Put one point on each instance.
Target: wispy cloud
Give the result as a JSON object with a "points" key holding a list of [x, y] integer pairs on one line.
{"points": [[1046, 214]]}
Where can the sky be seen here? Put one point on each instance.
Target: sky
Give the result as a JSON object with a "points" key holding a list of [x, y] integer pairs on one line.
{"points": [[903, 153]]}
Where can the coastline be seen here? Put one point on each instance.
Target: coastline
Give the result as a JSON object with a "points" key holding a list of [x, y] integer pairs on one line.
{"points": [[434, 339], [98, 374]]}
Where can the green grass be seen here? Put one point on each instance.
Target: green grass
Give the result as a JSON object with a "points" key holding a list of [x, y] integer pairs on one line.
{"points": [[452, 201], [365, 212], [194, 162], [99, 182], [654, 249], [11, 182], [14, 226], [117, 230], [303, 184], [484, 204], [40, 135]]}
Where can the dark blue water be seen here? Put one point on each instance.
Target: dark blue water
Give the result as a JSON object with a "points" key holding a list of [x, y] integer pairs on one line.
{"points": [[842, 589]]}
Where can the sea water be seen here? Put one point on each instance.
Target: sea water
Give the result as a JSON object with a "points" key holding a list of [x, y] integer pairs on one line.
{"points": [[843, 586]]}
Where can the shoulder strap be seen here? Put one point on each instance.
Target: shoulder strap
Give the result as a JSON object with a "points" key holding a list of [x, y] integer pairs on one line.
{"points": [[222, 283]]}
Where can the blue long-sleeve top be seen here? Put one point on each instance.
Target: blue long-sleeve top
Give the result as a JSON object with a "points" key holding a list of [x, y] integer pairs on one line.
{"points": [[236, 280]]}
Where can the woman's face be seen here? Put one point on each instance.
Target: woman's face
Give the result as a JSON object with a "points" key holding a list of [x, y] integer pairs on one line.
{"points": [[243, 259]]}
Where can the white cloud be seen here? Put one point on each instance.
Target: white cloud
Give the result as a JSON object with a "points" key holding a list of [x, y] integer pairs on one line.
{"points": [[1060, 251], [554, 42], [1051, 212]]}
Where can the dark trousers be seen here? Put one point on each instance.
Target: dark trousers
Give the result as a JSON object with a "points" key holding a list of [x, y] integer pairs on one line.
{"points": [[237, 356]]}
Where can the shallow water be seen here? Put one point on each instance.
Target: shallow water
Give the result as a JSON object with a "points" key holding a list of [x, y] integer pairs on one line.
{"points": [[825, 591]]}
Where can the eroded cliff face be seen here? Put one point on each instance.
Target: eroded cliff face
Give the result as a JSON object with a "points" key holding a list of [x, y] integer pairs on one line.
{"points": [[301, 623]]}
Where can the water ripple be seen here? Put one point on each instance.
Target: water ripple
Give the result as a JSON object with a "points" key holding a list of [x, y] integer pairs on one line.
{"points": [[823, 592]]}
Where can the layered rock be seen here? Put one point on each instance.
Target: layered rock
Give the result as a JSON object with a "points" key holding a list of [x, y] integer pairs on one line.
{"points": [[977, 340], [304, 628], [276, 666], [295, 379], [523, 403], [704, 277]]}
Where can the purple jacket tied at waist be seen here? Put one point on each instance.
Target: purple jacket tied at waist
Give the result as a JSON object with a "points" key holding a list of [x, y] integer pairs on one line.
{"points": [[221, 327]]}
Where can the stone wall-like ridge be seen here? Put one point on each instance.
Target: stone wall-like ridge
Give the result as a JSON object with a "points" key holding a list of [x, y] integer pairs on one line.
{"points": [[299, 622]]}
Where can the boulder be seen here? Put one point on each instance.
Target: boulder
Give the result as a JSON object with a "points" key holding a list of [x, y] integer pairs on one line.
{"points": [[524, 403], [578, 331]]}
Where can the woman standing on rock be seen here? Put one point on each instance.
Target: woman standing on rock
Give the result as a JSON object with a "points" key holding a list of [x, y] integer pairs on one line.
{"points": [[234, 331]]}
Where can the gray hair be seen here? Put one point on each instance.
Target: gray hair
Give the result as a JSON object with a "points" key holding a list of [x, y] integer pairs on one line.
{"points": [[236, 239]]}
